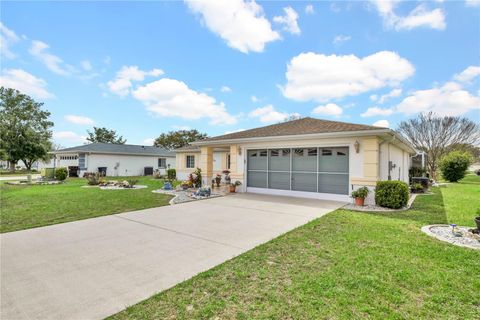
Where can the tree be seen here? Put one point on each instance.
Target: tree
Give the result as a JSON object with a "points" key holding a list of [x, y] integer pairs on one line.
{"points": [[24, 128], [454, 165], [105, 135], [178, 139], [434, 135]]}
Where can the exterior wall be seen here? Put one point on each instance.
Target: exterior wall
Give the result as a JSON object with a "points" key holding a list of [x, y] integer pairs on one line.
{"points": [[219, 163], [128, 165], [399, 158]]}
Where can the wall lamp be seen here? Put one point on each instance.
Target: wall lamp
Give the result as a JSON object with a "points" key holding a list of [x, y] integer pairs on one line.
{"points": [[356, 145]]}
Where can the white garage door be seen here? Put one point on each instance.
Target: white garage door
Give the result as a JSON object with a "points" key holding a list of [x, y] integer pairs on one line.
{"points": [[322, 170]]}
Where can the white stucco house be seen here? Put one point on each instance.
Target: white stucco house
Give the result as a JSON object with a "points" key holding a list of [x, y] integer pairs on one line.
{"points": [[307, 157], [113, 159]]}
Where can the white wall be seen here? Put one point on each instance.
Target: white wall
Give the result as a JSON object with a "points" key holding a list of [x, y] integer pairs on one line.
{"points": [[400, 158], [128, 165]]}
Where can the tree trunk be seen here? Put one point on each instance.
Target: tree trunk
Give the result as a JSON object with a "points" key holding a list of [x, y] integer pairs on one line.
{"points": [[12, 166], [28, 164]]}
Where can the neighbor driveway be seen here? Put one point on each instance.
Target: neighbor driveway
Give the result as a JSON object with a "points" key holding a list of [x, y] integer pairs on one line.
{"points": [[93, 268]]}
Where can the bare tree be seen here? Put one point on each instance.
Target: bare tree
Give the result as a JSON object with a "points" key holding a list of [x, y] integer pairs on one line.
{"points": [[434, 135]]}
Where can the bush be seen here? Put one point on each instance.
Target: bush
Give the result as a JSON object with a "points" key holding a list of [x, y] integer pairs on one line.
{"points": [[477, 172], [132, 182], [61, 174], [416, 187], [391, 194], [93, 178], [454, 165], [171, 174]]}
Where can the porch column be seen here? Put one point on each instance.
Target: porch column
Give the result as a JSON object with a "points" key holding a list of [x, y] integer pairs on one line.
{"points": [[371, 150], [236, 168], [206, 164]]}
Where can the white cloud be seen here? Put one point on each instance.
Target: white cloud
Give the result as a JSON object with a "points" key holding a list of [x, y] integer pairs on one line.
{"points": [[374, 97], [82, 120], [7, 38], [472, 3], [381, 123], [375, 111], [86, 65], [468, 74], [289, 20], [420, 16], [25, 83], [241, 24], [148, 142], [449, 99], [69, 136], [172, 98], [341, 38], [392, 94], [269, 114], [39, 50], [330, 109], [309, 9], [225, 89], [122, 83], [254, 99], [312, 76], [233, 131]]}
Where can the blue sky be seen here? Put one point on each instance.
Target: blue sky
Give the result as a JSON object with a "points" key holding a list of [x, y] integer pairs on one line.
{"points": [[143, 68]]}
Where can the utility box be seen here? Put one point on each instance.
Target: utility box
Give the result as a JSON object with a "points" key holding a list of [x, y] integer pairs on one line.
{"points": [[148, 171]]}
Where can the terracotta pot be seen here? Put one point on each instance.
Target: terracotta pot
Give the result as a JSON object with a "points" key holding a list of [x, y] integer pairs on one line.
{"points": [[359, 201], [232, 188]]}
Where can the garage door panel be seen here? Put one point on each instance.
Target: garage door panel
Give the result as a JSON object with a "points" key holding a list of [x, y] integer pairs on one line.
{"points": [[304, 182], [333, 183], [279, 160], [279, 180], [304, 159], [257, 179], [257, 160], [333, 160]]}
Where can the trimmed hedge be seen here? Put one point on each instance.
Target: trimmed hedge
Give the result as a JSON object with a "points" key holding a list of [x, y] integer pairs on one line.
{"points": [[391, 194], [61, 174], [171, 174], [454, 165]]}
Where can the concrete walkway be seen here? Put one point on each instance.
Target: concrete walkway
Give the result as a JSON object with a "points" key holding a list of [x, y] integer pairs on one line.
{"points": [[93, 268], [18, 178]]}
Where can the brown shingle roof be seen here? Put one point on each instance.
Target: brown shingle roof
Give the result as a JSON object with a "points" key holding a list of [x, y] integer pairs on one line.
{"points": [[295, 127]]}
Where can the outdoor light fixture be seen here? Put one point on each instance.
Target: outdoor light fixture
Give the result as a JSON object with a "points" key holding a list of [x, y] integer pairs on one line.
{"points": [[356, 145]]}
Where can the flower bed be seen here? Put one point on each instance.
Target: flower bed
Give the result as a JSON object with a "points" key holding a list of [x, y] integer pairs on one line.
{"points": [[459, 236]]}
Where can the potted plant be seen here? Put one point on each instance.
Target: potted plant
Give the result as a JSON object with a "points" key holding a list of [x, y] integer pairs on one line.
{"points": [[359, 195], [477, 220], [234, 185], [218, 179]]}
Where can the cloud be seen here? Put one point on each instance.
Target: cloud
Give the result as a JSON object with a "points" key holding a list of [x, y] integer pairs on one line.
{"points": [[254, 99], [330, 109], [225, 89], [25, 83], [312, 76], [309, 9], [69, 136], [39, 50], [468, 74], [420, 16], [472, 3], [449, 99], [269, 114], [341, 39], [392, 94], [86, 65], [241, 24], [375, 111], [122, 83], [148, 142], [7, 38], [233, 131], [381, 123], [172, 98], [79, 119], [289, 20]]}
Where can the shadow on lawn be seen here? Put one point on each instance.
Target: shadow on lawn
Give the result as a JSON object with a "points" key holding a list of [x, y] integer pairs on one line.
{"points": [[426, 209]]}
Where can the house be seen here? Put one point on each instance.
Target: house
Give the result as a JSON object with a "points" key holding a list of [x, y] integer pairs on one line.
{"points": [[307, 157], [113, 159]]}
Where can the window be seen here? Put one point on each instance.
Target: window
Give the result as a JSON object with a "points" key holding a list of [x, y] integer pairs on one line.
{"points": [[312, 152], [286, 152], [190, 163], [253, 154], [339, 153], [298, 152], [263, 153], [162, 162], [274, 153], [68, 157], [326, 152]]}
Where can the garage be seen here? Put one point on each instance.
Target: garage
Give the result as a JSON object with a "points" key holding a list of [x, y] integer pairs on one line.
{"points": [[313, 169]]}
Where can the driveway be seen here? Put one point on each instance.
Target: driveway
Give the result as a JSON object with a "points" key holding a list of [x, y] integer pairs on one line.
{"points": [[93, 268]]}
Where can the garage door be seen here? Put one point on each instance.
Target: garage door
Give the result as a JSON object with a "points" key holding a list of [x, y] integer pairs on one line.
{"points": [[323, 170]]}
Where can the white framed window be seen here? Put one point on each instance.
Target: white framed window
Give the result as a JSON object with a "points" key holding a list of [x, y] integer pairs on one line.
{"points": [[162, 163], [190, 162]]}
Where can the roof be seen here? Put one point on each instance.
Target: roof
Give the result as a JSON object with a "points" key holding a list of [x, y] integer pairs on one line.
{"points": [[110, 148], [188, 148], [295, 127]]}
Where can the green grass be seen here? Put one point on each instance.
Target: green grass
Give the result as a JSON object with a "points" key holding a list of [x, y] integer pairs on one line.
{"points": [[24, 207], [345, 265]]}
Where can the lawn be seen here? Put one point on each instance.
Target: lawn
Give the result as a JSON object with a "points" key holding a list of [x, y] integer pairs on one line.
{"points": [[345, 265], [24, 207]]}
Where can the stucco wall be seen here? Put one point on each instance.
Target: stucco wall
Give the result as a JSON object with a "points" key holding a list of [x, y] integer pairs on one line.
{"points": [[219, 163], [129, 165], [400, 158]]}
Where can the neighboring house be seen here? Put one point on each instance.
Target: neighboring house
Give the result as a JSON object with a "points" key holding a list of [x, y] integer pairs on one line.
{"points": [[113, 159], [307, 157]]}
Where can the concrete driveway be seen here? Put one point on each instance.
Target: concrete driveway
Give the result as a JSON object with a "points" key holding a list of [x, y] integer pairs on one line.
{"points": [[93, 268]]}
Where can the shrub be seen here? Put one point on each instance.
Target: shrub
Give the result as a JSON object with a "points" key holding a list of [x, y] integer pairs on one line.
{"points": [[61, 174], [132, 182], [416, 187], [391, 194], [196, 178], [171, 174], [477, 172], [360, 193], [454, 165], [93, 178]]}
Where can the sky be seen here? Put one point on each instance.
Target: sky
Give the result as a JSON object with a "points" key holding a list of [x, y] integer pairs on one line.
{"points": [[145, 68]]}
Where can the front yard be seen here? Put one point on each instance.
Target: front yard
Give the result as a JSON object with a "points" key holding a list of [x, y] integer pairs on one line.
{"points": [[344, 265], [24, 207]]}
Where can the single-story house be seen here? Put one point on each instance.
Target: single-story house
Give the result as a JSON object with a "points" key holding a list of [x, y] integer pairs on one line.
{"points": [[307, 157], [113, 159]]}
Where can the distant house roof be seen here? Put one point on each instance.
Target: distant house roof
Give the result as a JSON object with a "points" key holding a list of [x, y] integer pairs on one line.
{"points": [[110, 148]]}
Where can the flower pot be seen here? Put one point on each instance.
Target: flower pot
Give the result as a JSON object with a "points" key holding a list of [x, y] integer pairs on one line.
{"points": [[359, 201], [477, 221], [232, 188]]}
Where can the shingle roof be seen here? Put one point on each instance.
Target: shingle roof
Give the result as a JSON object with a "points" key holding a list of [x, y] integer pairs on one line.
{"points": [[295, 127], [119, 149]]}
